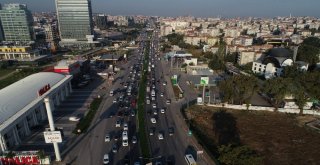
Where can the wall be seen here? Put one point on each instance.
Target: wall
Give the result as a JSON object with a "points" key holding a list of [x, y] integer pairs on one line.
{"points": [[259, 108]]}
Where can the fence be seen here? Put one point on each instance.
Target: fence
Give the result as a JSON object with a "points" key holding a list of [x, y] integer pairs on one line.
{"points": [[260, 108]]}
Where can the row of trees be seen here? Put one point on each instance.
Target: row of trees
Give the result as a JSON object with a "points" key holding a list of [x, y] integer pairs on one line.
{"points": [[302, 86]]}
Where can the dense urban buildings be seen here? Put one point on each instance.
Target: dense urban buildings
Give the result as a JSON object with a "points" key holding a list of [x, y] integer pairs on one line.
{"points": [[16, 22], [75, 20]]}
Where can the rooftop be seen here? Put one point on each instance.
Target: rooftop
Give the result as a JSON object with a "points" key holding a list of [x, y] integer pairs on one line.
{"points": [[21, 93]]}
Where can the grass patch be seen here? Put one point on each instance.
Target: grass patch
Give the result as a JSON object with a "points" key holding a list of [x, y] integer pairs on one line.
{"points": [[85, 123], [18, 76], [4, 72], [176, 91], [141, 109]]}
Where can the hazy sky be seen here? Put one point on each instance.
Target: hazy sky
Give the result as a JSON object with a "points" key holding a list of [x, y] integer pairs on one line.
{"points": [[199, 8]]}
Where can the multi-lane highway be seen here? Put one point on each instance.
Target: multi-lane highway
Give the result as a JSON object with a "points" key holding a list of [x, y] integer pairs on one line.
{"points": [[90, 147], [167, 136]]}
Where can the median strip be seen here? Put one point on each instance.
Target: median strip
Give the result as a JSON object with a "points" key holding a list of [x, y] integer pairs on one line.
{"points": [[85, 123]]}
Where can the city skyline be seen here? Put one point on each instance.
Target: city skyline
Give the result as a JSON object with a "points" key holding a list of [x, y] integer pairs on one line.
{"points": [[200, 8]]}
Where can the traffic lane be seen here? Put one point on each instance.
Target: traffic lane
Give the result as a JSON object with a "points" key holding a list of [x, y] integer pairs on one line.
{"points": [[100, 137]]}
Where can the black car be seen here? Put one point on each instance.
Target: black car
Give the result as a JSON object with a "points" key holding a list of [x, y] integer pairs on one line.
{"points": [[171, 131], [126, 160]]}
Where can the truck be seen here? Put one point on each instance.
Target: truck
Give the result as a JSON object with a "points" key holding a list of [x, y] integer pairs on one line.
{"points": [[153, 93], [125, 138]]}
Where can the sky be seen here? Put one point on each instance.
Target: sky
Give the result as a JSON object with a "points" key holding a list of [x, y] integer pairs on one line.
{"points": [[197, 8]]}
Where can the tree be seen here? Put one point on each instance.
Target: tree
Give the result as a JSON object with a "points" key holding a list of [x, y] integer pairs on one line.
{"points": [[216, 64], [238, 89], [300, 99], [175, 38], [277, 89], [238, 155], [309, 54], [231, 57]]}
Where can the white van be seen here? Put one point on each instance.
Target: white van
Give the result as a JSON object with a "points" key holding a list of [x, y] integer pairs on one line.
{"points": [[190, 160]]}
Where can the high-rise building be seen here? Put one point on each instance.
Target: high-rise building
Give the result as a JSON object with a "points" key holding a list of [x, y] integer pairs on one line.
{"points": [[101, 21], [75, 19], [16, 21]]}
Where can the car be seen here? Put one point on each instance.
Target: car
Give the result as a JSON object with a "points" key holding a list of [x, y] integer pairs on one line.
{"points": [[126, 160], [75, 118], [171, 131], [107, 138], [153, 120], [151, 131], [164, 83], [160, 136], [120, 113], [106, 159], [118, 123], [125, 126], [133, 113], [158, 163], [125, 142], [154, 105], [116, 137], [137, 163], [162, 110], [114, 148], [134, 139], [155, 112], [153, 98], [114, 100], [168, 101], [161, 94]]}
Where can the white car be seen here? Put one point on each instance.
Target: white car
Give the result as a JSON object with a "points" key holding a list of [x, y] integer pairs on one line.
{"points": [[125, 142], [153, 120], [107, 138], [74, 118], [162, 110], [125, 126], [168, 101], [160, 136], [114, 100], [161, 94], [106, 159], [118, 123], [154, 105]]}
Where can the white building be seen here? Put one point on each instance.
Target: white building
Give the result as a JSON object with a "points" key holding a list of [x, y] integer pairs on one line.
{"points": [[272, 65], [22, 105]]}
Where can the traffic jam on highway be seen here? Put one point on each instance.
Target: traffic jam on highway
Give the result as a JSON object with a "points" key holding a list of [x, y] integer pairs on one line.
{"points": [[124, 135]]}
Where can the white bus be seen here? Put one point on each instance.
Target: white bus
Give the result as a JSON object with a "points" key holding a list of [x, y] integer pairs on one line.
{"points": [[125, 138], [190, 160]]}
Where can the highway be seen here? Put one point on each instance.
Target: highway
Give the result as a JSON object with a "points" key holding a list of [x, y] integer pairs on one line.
{"points": [[90, 147]]}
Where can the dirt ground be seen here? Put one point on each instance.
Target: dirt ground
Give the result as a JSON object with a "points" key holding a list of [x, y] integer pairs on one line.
{"points": [[281, 139]]}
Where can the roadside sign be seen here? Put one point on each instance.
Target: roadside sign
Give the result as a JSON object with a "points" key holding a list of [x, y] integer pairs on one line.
{"points": [[174, 79], [189, 133], [204, 81], [52, 137], [200, 152]]}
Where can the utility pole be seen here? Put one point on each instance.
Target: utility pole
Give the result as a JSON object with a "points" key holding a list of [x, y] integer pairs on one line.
{"points": [[52, 128], [203, 93]]}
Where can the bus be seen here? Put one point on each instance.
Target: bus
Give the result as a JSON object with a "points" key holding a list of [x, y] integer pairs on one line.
{"points": [[190, 160]]}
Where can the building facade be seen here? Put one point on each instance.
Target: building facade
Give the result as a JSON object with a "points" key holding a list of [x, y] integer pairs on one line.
{"points": [[20, 53], [16, 22], [22, 105], [101, 21], [75, 19]]}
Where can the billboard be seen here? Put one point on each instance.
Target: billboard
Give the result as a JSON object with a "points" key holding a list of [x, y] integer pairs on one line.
{"points": [[204, 81], [52, 137]]}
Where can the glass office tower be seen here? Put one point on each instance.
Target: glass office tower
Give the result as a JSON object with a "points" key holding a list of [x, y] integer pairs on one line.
{"points": [[75, 19], [16, 21]]}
